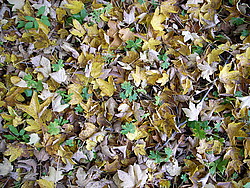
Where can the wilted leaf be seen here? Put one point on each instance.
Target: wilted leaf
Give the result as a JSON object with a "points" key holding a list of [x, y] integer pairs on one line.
{"points": [[5, 167]]}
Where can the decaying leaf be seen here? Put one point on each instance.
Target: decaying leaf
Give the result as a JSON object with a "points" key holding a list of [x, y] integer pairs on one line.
{"points": [[135, 177]]}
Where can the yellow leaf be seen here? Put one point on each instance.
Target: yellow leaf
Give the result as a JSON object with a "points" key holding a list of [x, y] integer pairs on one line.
{"points": [[234, 130], [79, 30], [214, 56], [43, 27], [89, 130], [164, 79], [35, 109], [60, 13], [150, 44], [169, 7], [74, 6], [45, 183], [90, 144], [229, 78], [96, 69], [35, 126], [139, 76], [140, 149], [11, 38], [107, 88], [76, 89], [157, 20], [14, 152]]}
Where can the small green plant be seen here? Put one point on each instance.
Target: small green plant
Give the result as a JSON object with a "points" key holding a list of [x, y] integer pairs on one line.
{"points": [[85, 93], [247, 185], [184, 177], [158, 101], [245, 33], [128, 128], [79, 16], [218, 165], [96, 14], [238, 94], [237, 21], [108, 58], [199, 127], [78, 109], [32, 83], [54, 128], [134, 45], [31, 22], [158, 157], [57, 66], [17, 135], [65, 97], [197, 49], [128, 91], [69, 142], [164, 61]]}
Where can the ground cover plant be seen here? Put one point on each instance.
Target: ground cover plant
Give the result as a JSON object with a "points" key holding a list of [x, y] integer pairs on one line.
{"points": [[124, 93]]}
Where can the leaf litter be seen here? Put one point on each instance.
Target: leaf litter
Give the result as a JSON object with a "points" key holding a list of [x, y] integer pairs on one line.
{"points": [[124, 93]]}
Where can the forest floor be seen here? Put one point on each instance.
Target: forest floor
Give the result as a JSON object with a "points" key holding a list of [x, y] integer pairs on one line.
{"points": [[124, 93]]}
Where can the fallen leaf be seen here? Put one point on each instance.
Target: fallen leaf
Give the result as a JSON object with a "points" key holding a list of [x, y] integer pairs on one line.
{"points": [[135, 177], [18, 4], [5, 167], [193, 111], [54, 175], [35, 109]]}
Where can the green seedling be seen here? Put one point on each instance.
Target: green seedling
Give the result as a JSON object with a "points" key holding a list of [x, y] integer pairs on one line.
{"points": [[17, 135]]}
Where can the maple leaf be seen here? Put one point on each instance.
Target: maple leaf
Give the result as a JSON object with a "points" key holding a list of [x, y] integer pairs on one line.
{"points": [[14, 152], [157, 20], [129, 18], [207, 70], [245, 101], [138, 76], [107, 88], [193, 112], [35, 109], [5, 167], [54, 175], [74, 6], [150, 44], [135, 177]]}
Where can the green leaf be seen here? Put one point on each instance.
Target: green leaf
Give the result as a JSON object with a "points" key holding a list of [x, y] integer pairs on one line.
{"points": [[28, 92], [46, 22], [156, 156], [29, 25], [10, 137], [29, 18], [83, 13], [238, 94], [128, 88], [36, 24], [128, 128], [238, 21], [78, 109], [69, 142], [39, 85], [247, 185], [21, 24], [245, 33], [132, 97], [85, 95], [22, 131], [168, 152], [54, 128], [58, 66], [40, 11], [13, 130]]}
